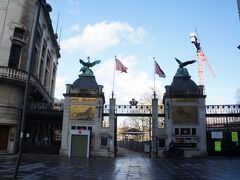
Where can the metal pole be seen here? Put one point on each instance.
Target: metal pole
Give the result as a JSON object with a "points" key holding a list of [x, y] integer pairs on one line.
{"points": [[27, 87], [115, 136]]}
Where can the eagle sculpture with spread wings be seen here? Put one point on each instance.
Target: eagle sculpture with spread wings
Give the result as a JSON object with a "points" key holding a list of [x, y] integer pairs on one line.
{"points": [[183, 72], [182, 64], [87, 65]]}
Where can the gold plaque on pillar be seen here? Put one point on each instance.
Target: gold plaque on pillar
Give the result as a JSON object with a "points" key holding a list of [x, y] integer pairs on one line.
{"points": [[82, 112], [82, 99], [185, 114]]}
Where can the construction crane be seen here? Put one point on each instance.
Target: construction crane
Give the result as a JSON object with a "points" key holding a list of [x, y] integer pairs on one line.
{"points": [[202, 59]]}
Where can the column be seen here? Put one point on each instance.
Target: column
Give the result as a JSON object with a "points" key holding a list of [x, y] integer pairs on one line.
{"points": [[113, 123], [154, 152]]}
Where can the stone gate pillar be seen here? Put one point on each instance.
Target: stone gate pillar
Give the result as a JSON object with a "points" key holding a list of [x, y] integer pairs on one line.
{"points": [[154, 144], [113, 123], [185, 116], [85, 131]]}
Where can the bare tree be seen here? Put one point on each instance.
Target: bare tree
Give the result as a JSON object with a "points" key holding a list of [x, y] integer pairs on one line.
{"points": [[143, 123], [124, 126]]}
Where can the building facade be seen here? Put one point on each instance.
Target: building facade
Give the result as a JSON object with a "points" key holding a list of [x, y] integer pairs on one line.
{"points": [[16, 20], [238, 5]]}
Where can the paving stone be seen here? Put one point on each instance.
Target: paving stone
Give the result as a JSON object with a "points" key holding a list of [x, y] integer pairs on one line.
{"points": [[144, 168]]}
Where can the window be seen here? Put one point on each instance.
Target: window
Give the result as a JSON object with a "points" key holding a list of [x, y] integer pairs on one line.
{"points": [[161, 142], [44, 50], [105, 122], [35, 61], [176, 131], [185, 131], [194, 131], [38, 38], [46, 78], [81, 127], [41, 70], [104, 142], [14, 56], [54, 71], [48, 61], [19, 33], [52, 87], [90, 129]]}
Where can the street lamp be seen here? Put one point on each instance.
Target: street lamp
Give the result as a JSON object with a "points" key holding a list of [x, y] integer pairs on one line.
{"points": [[48, 8]]}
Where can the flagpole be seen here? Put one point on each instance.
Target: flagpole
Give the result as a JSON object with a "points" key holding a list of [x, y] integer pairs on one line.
{"points": [[154, 74], [113, 77]]}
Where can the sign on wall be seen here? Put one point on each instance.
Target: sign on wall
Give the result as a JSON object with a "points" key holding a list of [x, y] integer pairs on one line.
{"points": [[82, 108], [82, 112], [184, 114], [218, 146], [217, 135], [234, 136]]}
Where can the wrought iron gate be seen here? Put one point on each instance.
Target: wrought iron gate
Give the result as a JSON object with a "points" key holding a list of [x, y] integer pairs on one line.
{"points": [[43, 132], [223, 129]]}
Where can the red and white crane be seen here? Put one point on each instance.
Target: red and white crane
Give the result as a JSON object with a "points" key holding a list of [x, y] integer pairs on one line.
{"points": [[202, 59]]}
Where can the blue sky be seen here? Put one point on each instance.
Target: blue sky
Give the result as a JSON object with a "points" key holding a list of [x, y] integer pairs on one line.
{"points": [[136, 31]]}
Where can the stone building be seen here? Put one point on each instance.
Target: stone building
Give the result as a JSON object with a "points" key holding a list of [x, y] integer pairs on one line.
{"points": [[16, 20]]}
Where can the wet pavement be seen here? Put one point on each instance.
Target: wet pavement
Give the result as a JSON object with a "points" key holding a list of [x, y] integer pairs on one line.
{"points": [[125, 166]]}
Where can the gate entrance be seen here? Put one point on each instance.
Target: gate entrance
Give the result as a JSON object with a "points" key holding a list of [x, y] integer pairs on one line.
{"points": [[4, 137]]}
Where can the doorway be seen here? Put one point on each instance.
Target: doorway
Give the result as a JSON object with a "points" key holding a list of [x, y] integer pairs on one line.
{"points": [[4, 137], [79, 146]]}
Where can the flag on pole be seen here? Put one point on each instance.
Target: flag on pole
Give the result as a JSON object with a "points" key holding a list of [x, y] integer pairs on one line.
{"points": [[120, 66], [159, 71]]}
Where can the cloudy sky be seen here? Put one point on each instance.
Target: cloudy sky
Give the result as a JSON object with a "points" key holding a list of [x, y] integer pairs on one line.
{"points": [[136, 31]]}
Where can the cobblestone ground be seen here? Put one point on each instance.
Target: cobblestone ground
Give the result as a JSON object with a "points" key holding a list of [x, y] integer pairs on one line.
{"points": [[125, 167]]}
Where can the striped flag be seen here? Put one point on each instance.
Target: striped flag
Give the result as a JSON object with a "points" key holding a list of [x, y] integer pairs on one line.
{"points": [[120, 66], [159, 71]]}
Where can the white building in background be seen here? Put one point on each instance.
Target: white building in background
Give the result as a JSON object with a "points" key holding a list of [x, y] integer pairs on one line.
{"points": [[16, 20]]}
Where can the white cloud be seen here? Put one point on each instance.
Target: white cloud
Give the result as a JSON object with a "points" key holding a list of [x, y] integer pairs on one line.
{"points": [[60, 86], [102, 35]]}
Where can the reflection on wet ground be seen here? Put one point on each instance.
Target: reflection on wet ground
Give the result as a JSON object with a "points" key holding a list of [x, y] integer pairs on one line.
{"points": [[128, 165]]}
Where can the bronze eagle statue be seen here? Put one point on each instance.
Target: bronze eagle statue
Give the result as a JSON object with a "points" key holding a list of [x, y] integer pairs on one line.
{"points": [[182, 64], [87, 65], [182, 71]]}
